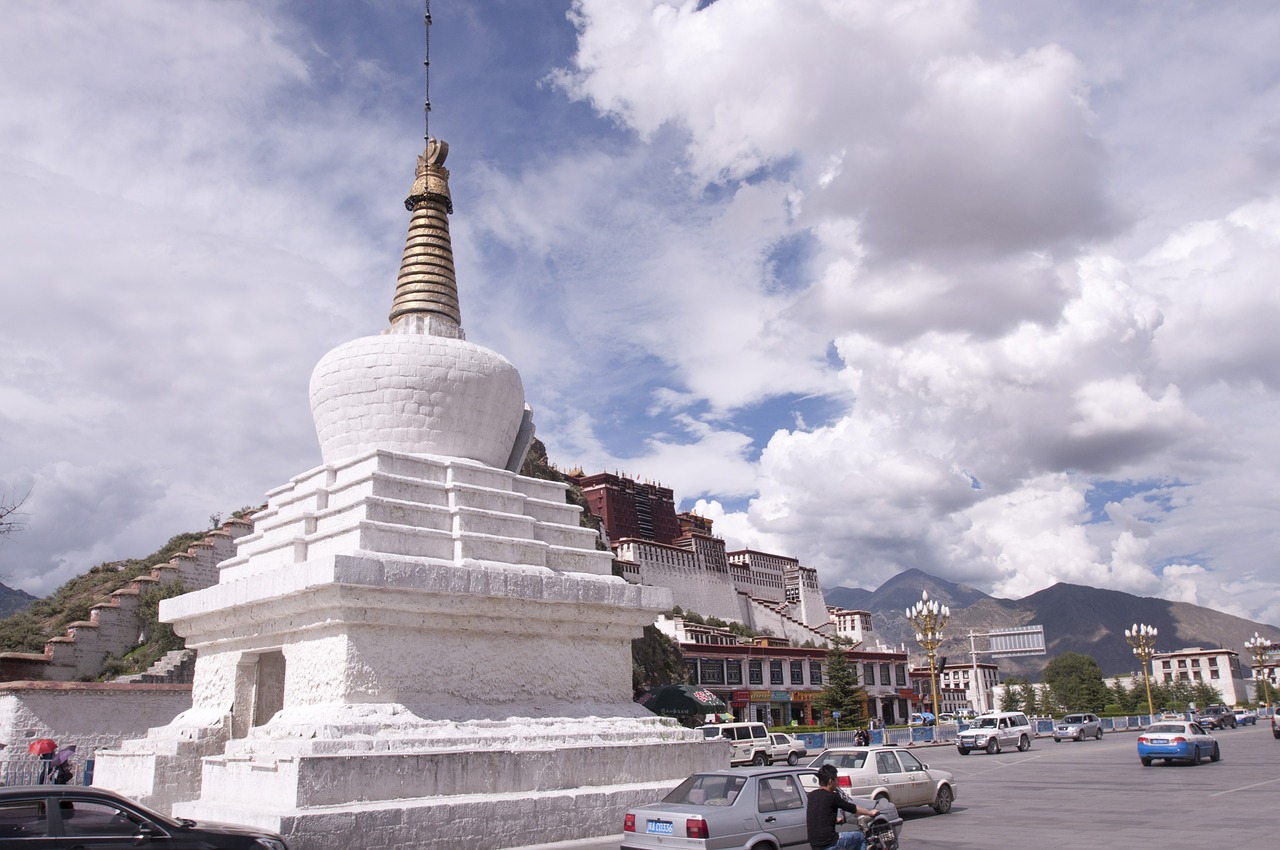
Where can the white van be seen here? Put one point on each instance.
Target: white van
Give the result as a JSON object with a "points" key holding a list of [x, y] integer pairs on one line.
{"points": [[751, 743], [996, 730]]}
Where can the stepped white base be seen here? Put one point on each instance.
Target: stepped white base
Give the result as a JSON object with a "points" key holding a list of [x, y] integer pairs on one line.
{"points": [[418, 652]]}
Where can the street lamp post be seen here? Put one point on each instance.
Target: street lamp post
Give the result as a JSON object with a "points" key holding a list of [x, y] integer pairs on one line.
{"points": [[1260, 647], [1143, 640], [928, 617]]}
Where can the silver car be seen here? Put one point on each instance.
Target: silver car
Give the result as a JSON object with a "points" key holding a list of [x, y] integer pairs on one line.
{"points": [[729, 809], [1077, 727], [890, 773]]}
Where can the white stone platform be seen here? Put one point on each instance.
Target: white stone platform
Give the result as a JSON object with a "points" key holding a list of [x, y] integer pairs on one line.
{"points": [[427, 652]]}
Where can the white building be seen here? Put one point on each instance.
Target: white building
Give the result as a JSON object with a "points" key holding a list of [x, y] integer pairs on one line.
{"points": [[977, 681], [1219, 668]]}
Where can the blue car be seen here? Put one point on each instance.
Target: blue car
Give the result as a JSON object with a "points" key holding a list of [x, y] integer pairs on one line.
{"points": [[1176, 739]]}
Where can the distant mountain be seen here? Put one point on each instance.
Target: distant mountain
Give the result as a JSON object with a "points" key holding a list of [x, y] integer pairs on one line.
{"points": [[1080, 619], [13, 600]]}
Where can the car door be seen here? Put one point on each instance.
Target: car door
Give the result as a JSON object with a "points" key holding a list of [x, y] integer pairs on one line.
{"points": [[24, 823], [88, 824], [781, 804], [893, 777], [921, 786]]}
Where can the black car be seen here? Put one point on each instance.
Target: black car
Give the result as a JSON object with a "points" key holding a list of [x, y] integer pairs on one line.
{"points": [[67, 816], [1217, 717]]}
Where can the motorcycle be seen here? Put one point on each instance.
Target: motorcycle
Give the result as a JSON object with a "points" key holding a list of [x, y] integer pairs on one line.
{"points": [[882, 830], [879, 831]]}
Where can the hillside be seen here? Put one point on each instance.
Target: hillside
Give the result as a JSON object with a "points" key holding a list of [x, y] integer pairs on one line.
{"points": [[1080, 619]]}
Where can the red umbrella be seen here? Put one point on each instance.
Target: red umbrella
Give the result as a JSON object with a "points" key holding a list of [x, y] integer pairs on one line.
{"points": [[42, 746]]}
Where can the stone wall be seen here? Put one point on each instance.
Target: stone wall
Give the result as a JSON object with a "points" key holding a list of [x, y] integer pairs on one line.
{"points": [[90, 715]]}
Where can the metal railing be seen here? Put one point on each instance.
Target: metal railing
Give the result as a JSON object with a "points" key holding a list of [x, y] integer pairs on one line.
{"points": [[30, 771]]}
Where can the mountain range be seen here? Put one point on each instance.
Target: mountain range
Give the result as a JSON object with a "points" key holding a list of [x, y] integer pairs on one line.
{"points": [[1087, 620], [13, 600]]}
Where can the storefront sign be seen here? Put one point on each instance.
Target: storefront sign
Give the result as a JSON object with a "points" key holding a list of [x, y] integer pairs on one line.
{"points": [[805, 696], [780, 696], [761, 696]]}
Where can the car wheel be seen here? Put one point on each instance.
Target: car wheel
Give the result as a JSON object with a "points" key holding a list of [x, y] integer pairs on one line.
{"points": [[793, 759], [1195, 756], [964, 751], [1024, 744], [993, 746], [1057, 740], [1146, 762], [760, 760], [942, 805], [1080, 735], [1216, 755], [1097, 736]]}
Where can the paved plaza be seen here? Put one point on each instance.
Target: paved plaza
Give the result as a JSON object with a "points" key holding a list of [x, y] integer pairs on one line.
{"points": [[1094, 794]]}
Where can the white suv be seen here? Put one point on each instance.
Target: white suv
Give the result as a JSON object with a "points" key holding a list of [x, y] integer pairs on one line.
{"points": [[996, 730], [751, 742]]}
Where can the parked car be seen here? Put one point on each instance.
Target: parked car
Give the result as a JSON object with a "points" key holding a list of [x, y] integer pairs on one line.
{"points": [[1275, 729], [786, 748], [946, 717], [751, 743], [1245, 717], [891, 773], [1181, 739], [1077, 727], [1216, 717], [729, 809], [923, 718], [73, 815], [996, 730]]}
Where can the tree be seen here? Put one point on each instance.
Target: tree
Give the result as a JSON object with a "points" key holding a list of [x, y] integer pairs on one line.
{"points": [[1205, 694], [843, 692], [10, 516], [656, 660], [1030, 699], [1075, 681], [1011, 699]]}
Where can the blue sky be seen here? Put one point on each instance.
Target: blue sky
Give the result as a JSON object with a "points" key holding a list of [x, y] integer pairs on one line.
{"points": [[818, 265]]}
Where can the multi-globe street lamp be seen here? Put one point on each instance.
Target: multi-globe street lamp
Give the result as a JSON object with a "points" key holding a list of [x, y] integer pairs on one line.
{"points": [[1143, 640], [1260, 647], [928, 617]]}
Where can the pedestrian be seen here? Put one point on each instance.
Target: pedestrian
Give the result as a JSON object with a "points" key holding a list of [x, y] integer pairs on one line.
{"points": [[825, 804]]}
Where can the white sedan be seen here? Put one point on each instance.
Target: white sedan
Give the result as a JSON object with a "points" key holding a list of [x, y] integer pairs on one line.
{"points": [[892, 774]]}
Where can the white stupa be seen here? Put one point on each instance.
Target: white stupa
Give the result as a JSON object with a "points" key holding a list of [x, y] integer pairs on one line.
{"points": [[417, 646]]}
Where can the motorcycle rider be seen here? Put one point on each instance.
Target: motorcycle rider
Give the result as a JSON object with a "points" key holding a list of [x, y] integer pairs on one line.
{"points": [[825, 804]]}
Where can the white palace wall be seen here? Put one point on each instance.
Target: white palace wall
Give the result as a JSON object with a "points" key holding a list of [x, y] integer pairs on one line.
{"points": [[90, 715]]}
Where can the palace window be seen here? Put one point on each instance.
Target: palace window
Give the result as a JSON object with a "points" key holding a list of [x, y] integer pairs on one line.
{"points": [[733, 673], [797, 672], [815, 672], [775, 673], [755, 672]]}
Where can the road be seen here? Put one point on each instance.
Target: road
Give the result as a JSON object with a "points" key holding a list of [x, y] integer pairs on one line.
{"points": [[1094, 794]]}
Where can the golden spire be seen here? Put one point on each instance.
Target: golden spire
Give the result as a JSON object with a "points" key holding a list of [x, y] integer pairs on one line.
{"points": [[427, 284]]}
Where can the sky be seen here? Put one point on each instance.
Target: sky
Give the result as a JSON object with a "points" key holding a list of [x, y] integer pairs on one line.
{"points": [[986, 289]]}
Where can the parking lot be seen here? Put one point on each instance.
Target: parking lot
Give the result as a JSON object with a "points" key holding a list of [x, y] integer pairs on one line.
{"points": [[1096, 794]]}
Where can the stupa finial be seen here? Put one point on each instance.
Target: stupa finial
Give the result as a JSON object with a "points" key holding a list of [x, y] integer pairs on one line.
{"points": [[426, 298]]}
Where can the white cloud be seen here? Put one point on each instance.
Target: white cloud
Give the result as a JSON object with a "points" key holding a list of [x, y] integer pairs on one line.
{"points": [[950, 285]]}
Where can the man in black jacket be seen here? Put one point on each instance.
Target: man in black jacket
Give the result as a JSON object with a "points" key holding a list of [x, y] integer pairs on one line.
{"points": [[825, 804]]}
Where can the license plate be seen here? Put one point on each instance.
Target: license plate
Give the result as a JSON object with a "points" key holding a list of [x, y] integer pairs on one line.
{"points": [[1159, 740], [659, 827]]}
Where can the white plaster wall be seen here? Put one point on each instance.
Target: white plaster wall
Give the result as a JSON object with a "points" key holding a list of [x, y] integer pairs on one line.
{"points": [[90, 716]]}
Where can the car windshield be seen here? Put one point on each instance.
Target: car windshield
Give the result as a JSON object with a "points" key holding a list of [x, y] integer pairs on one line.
{"points": [[1073, 718], [986, 723], [707, 789], [852, 760], [1167, 727]]}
